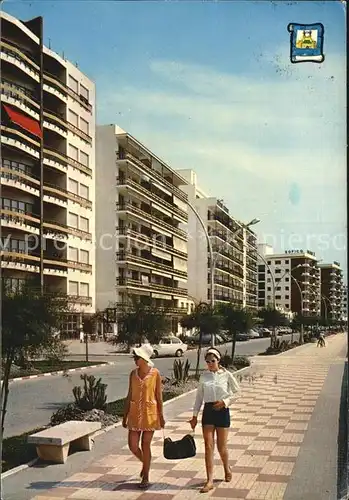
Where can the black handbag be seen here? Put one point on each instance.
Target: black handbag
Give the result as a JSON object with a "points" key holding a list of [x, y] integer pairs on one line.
{"points": [[183, 448]]}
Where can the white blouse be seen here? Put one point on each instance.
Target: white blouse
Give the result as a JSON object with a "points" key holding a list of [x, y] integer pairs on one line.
{"points": [[216, 386]]}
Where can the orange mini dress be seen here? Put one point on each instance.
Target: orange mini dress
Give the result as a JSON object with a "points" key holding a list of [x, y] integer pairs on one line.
{"points": [[143, 412]]}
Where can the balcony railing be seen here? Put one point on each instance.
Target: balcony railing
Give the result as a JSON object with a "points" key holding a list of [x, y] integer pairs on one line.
{"points": [[10, 48], [178, 192], [232, 242], [122, 181], [128, 207], [128, 282], [56, 227], [24, 141], [57, 191], [10, 255], [66, 160], [57, 118], [151, 241], [9, 89], [28, 179], [62, 87], [230, 226], [130, 257], [78, 299], [20, 217]]}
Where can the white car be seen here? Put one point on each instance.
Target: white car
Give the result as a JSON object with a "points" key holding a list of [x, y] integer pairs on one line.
{"points": [[169, 346], [253, 334]]}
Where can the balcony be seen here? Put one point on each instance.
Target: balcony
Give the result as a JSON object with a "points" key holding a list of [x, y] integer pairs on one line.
{"points": [[81, 300], [64, 195], [232, 255], [16, 139], [128, 207], [153, 287], [22, 221], [143, 262], [228, 224], [229, 269], [52, 80], [20, 260], [60, 121], [153, 173], [21, 95], [122, 181], [62, 230], [57, 156], [52, 262], [15, 54], [225, 238], [150, 241], [27, 180]]}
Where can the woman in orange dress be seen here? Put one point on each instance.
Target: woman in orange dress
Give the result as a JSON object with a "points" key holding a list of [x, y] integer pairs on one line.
{"points": [[143, 412]]}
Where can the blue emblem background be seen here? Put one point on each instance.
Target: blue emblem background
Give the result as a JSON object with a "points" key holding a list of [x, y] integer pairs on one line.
{"points": [[307, 54]]}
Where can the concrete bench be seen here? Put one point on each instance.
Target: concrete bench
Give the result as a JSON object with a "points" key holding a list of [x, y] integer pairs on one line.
{"points": [[53, 444]]}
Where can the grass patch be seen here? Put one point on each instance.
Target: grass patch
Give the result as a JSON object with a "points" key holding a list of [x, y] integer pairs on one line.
{"points": [[16, 451]]}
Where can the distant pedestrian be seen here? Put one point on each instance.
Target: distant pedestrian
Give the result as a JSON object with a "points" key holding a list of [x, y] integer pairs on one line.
{"points": [[81, 335], [217, 388], [143, 412], [321, 340]]}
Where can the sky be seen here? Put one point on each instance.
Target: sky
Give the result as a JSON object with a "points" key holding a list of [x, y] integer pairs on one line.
{"points": [[210, 86]]}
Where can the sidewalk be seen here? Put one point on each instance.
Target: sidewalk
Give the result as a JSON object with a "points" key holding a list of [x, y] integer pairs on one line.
{"points": [[283, 442]]}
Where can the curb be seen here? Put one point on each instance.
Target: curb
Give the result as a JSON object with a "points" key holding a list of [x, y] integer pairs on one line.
{"points": [[103, 431], [60, 372]]}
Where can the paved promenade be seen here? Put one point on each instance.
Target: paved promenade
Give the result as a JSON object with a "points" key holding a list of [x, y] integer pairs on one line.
{"points": [[282, 443]]}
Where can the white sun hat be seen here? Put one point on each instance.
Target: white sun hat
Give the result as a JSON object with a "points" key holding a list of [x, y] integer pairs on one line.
{"points": [[145, 352]]}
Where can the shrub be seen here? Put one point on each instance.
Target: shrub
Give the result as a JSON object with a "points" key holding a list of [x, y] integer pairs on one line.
{"points": [[181, 371], [226, 360], [241, 362], [93, 395], [69, 412]]}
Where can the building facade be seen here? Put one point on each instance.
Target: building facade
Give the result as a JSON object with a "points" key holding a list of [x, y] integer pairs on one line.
{"points": [[297, 280], [141, 249], [235, 250], [331, 291], [47, 169], [345, 303]]}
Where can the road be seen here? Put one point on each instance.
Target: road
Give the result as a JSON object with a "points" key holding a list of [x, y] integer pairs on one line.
{"points": [[32, 402]]}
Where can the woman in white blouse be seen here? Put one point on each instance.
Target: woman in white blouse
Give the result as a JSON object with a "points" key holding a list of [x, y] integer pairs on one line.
{"points": [[217, 389]]}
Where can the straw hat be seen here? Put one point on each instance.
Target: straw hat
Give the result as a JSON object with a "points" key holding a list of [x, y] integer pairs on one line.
{"points": [[145, 352]]}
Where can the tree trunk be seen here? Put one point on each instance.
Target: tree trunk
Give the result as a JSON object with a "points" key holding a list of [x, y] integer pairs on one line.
{"points": [[5, 389], [198, 357], [233, 346]]}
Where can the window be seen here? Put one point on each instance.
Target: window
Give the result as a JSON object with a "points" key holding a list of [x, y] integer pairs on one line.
{"points": [[269, 288], [84, 191], [73, 84], [287, 306], [84, 224], [287, 287], [84, 158], [84, 256], [73, 288], [73, 220], [14, 284], [73, 254], [261, 268], [175, 340], [269, 280], [84, 289], [287, 261], [269, 262], [287, 279], [277, 262], [84, 92], [73, 118], [84, 126], [287, 296], [278, 297], [73, 186], [73, 152], [278, 288]]}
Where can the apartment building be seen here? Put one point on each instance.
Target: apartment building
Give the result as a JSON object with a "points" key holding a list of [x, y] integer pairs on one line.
{"points": [[296, 276], [141, 249], [331, 290], [345, 303], [235, 250], [47, 169]]}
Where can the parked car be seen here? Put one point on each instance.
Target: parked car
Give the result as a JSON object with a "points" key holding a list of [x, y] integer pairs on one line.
{"points": [[170, 346], [242, 337], [265, 332], [253, 334], [225, 336], [206, 339]]}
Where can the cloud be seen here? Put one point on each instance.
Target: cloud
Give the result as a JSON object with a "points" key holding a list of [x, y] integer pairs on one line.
{"points": [[251, 137]]}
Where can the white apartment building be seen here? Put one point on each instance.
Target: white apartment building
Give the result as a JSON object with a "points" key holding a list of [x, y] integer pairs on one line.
{"points": [[141, 249], [345, 303], [297, 280], [47, 169], [235, 277], [331, 290]]}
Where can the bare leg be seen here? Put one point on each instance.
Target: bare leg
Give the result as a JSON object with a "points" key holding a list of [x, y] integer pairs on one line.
{"points": [[133, 444], [222, 439], [208, 432], [147, 437]]}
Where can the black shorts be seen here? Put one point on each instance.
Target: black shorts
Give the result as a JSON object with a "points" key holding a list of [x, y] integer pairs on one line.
{"points": [[217, 418]]}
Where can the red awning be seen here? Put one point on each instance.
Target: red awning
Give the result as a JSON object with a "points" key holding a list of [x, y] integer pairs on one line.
{"points": [[23, 121]]}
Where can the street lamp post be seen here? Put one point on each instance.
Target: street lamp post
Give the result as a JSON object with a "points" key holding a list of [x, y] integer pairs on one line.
{"points": [[211, 253]]}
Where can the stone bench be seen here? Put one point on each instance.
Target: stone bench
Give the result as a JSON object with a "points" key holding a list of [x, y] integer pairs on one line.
{"points": [[53, 444]]}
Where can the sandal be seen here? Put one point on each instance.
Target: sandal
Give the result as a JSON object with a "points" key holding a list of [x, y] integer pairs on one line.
{"points": [[228, 476], [144, 484], [208, 487]]}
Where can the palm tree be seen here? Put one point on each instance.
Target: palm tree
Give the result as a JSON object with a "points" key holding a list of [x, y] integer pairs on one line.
{"points": [[235, 320]]}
